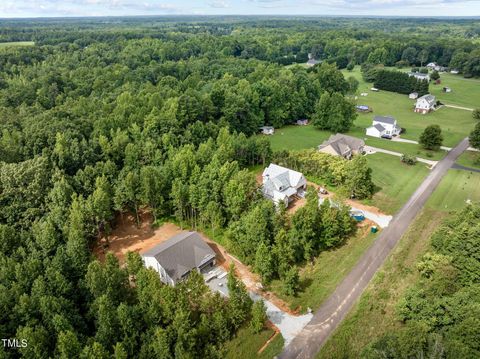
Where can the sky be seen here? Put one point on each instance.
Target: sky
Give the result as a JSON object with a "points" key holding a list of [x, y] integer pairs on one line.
{"points": [[55, 8]]}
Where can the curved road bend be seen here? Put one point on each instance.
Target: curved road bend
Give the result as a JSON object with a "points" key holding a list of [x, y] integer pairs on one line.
{"points": [[312, 337]]}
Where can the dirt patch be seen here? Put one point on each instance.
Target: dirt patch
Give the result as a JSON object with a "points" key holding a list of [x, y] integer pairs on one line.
{"points": [[127, 237], [296, 205]]}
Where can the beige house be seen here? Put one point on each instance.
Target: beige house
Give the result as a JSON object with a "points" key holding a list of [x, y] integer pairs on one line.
{"points": [[342, 145]]}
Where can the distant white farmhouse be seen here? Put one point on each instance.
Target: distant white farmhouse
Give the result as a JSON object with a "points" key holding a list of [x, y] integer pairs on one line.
{"points": [[281, 184], [175, 258], [419, 76], [425, 104], [267, 130], [384, 126]]}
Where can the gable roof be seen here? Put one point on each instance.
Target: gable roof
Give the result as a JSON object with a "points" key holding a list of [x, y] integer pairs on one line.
{"points": [[379, 127], [429, 98], [283, 173], [343, 143], [181, 253], [385, 119]]}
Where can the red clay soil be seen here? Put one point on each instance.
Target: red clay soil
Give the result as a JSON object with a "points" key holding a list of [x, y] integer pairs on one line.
{"points": [[274, 335], [128, 237]]}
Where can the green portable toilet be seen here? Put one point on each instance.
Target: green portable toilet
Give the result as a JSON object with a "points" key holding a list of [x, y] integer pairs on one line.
{"points": [[374, 229]]}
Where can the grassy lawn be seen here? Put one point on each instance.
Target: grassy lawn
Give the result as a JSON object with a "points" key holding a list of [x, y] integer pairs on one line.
{"points": [[297, 137], [302, 137], [465, 92], [469, 159], [318, 280], [456, 187], [16, 43], [456, 124], [246, 345], [396, 180], [375, 312]]}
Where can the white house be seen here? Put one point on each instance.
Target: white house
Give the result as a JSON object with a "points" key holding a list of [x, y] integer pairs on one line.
{"points": [[431, 65], [384, 126], [281, 184], [267, 130], [175, 258], [454, 71], [425, 104], [419, 76]]}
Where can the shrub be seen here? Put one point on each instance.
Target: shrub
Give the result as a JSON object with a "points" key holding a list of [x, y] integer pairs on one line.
{"points": [[409, 160]]}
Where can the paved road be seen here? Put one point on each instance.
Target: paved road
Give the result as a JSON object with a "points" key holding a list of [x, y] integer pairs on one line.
{"points": [[309, 341]]}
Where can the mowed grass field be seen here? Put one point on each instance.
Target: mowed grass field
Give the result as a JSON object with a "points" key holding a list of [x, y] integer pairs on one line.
{"points": [[465, 92], [16, 43], [455, 189], [469, 159], [455, 124], [318, 280], [302, 137], [396, 181], [375, 313]]}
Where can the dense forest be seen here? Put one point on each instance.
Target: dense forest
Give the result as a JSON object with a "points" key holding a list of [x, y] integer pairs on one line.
{"points": [[105, 116]]}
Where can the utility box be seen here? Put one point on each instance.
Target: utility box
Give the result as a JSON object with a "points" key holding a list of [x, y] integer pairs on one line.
{"points": [[374, 229]]}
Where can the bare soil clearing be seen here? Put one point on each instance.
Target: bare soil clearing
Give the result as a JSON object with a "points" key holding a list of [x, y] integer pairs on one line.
{"points": [[127, 237]]}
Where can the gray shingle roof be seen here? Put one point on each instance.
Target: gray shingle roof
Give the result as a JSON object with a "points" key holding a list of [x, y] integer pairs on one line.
{"points": [[379, 127], [181, 253], [343, 143], [429, 98], [385, 119]]}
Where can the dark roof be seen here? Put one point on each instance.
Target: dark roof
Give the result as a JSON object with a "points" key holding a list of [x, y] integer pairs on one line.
{"points": [[181, 253], [384, 119], [379, 127]]}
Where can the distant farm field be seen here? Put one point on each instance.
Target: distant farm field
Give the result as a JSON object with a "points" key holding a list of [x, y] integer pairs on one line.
{"points": [[16, 43], [456, 124], [465, 92]]}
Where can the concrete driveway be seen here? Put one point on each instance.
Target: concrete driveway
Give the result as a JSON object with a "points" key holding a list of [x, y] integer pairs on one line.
{"points": [[329, 316], [289, 325], [382, 220], [371, 150]]}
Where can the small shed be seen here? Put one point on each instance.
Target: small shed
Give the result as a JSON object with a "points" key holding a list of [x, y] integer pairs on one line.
{"points": [[447, 89], [413, 95], [267, 130], [302, 122], [364, 94], [374, 89]]}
